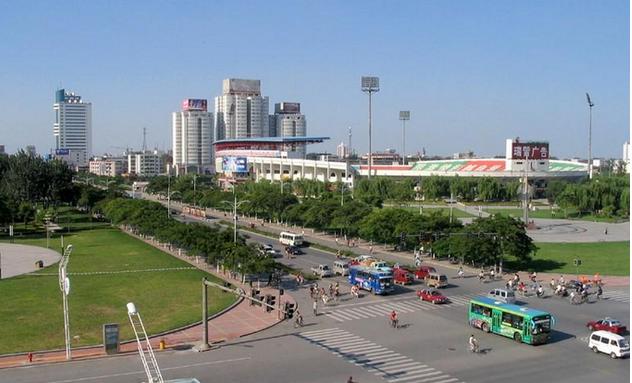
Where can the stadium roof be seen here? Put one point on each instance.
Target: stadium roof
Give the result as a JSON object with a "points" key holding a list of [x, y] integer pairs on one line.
{"points": [[274, 140]]}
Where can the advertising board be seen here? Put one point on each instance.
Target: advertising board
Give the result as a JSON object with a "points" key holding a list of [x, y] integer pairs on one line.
{"points": [[530, 150], [62, 152], [235, 164], [194, 104]]}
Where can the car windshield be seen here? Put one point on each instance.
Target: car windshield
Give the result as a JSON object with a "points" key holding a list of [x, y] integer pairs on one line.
{"points": [[615, 323], [325, 267], [623, 343], [443, 278]]}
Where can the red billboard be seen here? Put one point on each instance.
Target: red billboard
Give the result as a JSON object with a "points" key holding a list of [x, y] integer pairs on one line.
{"points": [[194, 104], [530, 150]]}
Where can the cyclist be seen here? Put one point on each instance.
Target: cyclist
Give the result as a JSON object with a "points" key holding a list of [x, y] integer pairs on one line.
{"points": [[473, 343], [394, 320], [460, 272]]}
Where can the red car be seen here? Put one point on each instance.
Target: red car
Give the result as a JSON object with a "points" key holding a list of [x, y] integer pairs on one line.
{"points": [[432, 296], [607, 324], [423, 271], [402, 275]]}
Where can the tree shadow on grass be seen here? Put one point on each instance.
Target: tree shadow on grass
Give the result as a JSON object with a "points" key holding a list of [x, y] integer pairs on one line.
{"points": [[538, 265]]}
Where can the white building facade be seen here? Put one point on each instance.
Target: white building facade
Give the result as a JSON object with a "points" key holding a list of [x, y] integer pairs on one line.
{"points": [[72, 128], [241, 111], [146, 164], [192, 138]]}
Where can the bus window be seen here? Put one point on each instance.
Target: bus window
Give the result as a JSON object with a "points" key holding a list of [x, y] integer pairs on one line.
{"points": [[481, 310]]}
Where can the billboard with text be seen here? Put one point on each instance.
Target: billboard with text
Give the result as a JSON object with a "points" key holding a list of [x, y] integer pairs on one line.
{"points": [[530, 150], [194, 104], [235, 164]]}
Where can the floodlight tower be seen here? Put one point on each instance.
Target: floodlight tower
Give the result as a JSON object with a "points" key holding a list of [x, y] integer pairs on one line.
{"points": [[64, 286], [146, 353], [590, 106], [370, 85], [404, 116]]}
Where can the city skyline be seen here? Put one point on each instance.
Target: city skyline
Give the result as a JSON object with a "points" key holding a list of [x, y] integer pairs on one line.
{"points": [[446, 63]]}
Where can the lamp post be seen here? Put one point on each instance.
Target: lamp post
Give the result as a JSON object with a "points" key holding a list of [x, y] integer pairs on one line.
{"points": [[404, 116], [370, 85], [235, 205], [194, 190], [590, 106], [64, 286]]}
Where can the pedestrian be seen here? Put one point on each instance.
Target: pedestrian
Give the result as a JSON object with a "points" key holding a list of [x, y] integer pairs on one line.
{"points": [[336, 241], [350, 380], [481, 276], [371, 249], [605, 231], [315, 307], [460, 272], [599, 291]]}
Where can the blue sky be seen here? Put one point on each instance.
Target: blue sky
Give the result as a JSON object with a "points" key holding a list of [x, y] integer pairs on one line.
{"points": [[472, 73]]}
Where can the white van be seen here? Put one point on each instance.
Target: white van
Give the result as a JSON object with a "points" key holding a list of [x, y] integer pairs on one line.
{"points": [[291, 239], [341, 268], [502, 295], [612, 344]]}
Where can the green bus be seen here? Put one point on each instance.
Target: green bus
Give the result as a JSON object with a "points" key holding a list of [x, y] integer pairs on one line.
{"points": [[523, 324]]}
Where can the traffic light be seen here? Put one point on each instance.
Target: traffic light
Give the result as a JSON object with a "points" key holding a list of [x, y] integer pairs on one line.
{"points": [[289, 310], [271, 299]]}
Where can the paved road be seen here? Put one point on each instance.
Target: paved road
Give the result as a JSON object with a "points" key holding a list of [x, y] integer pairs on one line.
{"points": [[20, 259]]}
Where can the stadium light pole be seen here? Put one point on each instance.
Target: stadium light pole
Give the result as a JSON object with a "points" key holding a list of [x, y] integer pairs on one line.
{"points": [[370, 85], [64, 286], [404, 116], [590, 106]]}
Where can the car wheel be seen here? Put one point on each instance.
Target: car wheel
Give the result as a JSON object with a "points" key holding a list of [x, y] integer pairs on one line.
{"points": [[485, 327], [595, 350], [434, 302], [613, 355], [517, 337], [591, 328]]}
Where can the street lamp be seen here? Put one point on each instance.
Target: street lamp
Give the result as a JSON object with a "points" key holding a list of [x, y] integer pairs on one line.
{"points": [[404, 116], [590, 106], [64, 286], [342, 193], [235, 205], [370, 85]]}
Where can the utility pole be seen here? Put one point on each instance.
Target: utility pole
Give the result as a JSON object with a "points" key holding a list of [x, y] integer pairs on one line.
{"points": [[169, 193], [194, 191], [235, 205], [525, 189]]}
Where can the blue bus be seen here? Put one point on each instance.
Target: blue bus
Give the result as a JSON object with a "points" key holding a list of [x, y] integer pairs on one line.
{"points": [[375, 281]]}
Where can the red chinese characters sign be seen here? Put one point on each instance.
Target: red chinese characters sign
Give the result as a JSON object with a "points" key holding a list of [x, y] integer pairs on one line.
{"points": [[530, 150]]}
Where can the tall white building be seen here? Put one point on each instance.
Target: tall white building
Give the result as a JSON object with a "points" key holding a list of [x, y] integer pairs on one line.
{"points": [[145, 163], [342, 151], [72, 128], [192, 137], [241, 111], [626, 156], [288, 121]]}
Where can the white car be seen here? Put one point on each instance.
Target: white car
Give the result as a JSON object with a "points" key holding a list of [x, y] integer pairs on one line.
{"points": [[609, 343]]}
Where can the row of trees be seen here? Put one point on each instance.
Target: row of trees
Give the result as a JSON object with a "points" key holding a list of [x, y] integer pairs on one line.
{"points": [[607, 196], [27, 181], [213, 243]]}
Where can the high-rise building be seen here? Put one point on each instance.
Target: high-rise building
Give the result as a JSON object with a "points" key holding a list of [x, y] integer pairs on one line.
{"points": [[192, 137], [289, 122], [626, 156], [72, 128], [2, 149], [241, 111], [342, 151]]}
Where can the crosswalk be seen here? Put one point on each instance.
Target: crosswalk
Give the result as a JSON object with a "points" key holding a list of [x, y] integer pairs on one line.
{"points": [[617, 296], [382, 309], [387, 364]]}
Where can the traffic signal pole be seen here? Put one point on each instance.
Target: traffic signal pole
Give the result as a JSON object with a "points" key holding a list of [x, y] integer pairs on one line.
{"points": [[237, 291]]}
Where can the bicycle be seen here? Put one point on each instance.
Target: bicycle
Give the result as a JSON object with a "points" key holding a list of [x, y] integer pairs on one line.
{"points": [[394, 323]]}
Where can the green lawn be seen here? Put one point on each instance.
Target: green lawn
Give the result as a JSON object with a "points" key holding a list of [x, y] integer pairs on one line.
{"points": [[557, 213], [606, 258], [31, 312]]}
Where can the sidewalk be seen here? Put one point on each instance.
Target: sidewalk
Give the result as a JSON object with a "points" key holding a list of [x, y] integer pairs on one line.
{"points": [[240, 320]]}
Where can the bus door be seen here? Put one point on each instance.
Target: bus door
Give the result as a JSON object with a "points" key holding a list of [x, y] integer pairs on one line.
{"points": [[496, 320], [527, 327]]}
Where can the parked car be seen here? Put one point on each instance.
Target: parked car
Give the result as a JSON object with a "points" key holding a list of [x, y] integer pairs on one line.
{"points": [[607, 324], [267, 247], [322, 271], [423, 271], [612, 344], [432, 296], [402, 276]]}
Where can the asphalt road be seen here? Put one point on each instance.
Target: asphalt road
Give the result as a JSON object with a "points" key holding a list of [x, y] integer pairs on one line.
{"points": [[353, 338]]}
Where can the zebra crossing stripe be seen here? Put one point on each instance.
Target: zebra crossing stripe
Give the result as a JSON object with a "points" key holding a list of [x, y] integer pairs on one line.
{"points": [[359, 313], [385, 363], [383, 309], [393, 307], [368, 311], [334, 316], [417, 376]]}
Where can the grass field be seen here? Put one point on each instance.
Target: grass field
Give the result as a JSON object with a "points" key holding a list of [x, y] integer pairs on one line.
{"points": [[31, 315], [557, 214], [606, 258]]}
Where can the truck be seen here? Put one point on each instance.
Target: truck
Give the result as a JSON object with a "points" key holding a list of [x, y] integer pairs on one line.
{"points": [[322, 271]]}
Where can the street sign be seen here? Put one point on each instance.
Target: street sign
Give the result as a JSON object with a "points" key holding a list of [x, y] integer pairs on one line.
{"points": [[111, 341]]}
